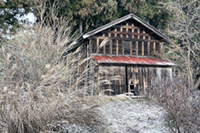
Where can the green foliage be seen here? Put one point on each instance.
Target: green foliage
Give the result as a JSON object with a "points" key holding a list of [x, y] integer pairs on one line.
{"points": [[9, 10], [87, 15]]}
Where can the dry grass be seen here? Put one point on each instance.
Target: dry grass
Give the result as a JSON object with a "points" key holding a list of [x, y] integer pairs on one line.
{"points": [[39, 82], [181, 103]]}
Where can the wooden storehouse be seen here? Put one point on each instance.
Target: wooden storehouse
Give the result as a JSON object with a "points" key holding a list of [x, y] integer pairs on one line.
{"points": [[129, 61]]}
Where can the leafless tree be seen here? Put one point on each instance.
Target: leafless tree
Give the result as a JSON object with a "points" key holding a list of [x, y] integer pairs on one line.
{"points": [[184, 27]]}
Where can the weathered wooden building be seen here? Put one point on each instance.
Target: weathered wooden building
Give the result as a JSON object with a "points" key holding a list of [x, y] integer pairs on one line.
{"points": [[129, 61]]}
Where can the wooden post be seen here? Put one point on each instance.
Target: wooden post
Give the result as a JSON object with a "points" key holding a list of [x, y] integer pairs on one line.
{"points": [[131, 47], [110, 46], [142, 48], [169, 74], [136, 48], [148, 44], [117, 47], [154, 48], [123, 47], [158, 74], [97, 45]]}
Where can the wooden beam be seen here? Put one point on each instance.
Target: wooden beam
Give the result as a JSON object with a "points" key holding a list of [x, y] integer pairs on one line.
{"points": [[123, 47], [154, 48], [117, 48], [97, 45], [142, 48], [110, 46], [131, 47], [136, 48], [148, 45]]}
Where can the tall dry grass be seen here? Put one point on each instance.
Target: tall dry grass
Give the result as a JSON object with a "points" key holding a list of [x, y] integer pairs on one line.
{"points": [[181, 103], [39, 81]]}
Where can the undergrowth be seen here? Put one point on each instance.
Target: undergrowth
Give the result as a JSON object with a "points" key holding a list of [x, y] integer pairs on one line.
{"points": [[181, 103], [39, 81]]}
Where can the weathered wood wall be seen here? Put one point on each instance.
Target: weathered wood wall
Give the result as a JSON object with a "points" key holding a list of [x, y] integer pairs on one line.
{"points": [[116, 78], [127, 38]]}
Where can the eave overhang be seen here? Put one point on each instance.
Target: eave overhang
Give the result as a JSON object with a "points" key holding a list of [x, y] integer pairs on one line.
{"points": [[130, 60]]}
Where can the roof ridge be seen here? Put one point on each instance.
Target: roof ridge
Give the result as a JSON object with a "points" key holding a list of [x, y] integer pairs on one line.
{"points": [[124, 18]]}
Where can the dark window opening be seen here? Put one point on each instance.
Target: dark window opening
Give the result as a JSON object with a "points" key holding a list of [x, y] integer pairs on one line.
{"points": [[141, 31], [135, 30], [135, 36], [141, 37], [101, 49], [112, 29], [140, 48], [112, 35], [118, 29], [107, 47], [126, 48], [146, 37], [145, 49], [151, 48], [124, 35], [106, 34], [129, 30], [124, 29], [114, 47], [94, 45], [120, 47], [118, 35], [129, 36], [158, 47], [99, 34], [133, 48]]}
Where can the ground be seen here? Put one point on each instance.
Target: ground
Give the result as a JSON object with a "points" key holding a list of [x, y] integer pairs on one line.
{"points": [[129, 116]]}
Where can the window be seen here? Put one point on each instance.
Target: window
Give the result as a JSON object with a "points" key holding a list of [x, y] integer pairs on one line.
{"points": [[126, 48], [118, 29], [140, 48], [106, 34], [129, 30], [135, 36], [135, 30], [151, 48], [141, 37], [120, 47], [94, 45], [112, 35], [133, 48], [141, 31], [124, 35], [107, 47], [112, 29], [118, 35], [146, 37], [158, 47], [114, 46], [101, 49], [124, 29], [145, 49]]}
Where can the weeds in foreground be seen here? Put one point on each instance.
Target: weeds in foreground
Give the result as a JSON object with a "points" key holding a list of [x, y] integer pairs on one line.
{"points": [[39, 81], [181, 103]]}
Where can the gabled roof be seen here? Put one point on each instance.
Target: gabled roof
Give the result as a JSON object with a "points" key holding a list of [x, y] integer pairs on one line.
{"points": [[130, 60], [122, 19]]}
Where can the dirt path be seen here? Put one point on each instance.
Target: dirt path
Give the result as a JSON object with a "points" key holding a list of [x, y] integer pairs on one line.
{"points": [[133, 116]]}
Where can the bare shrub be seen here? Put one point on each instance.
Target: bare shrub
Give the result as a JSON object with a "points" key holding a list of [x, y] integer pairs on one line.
{"points": [[181, 103], [39, 81]]}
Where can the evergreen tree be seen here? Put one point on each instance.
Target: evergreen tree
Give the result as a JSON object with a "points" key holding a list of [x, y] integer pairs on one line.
{"points": [[86, 15], [9, 11]]}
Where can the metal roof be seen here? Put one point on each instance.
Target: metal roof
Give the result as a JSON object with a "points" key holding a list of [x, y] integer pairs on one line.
{"points": [[134, 60], [122, 19]]}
